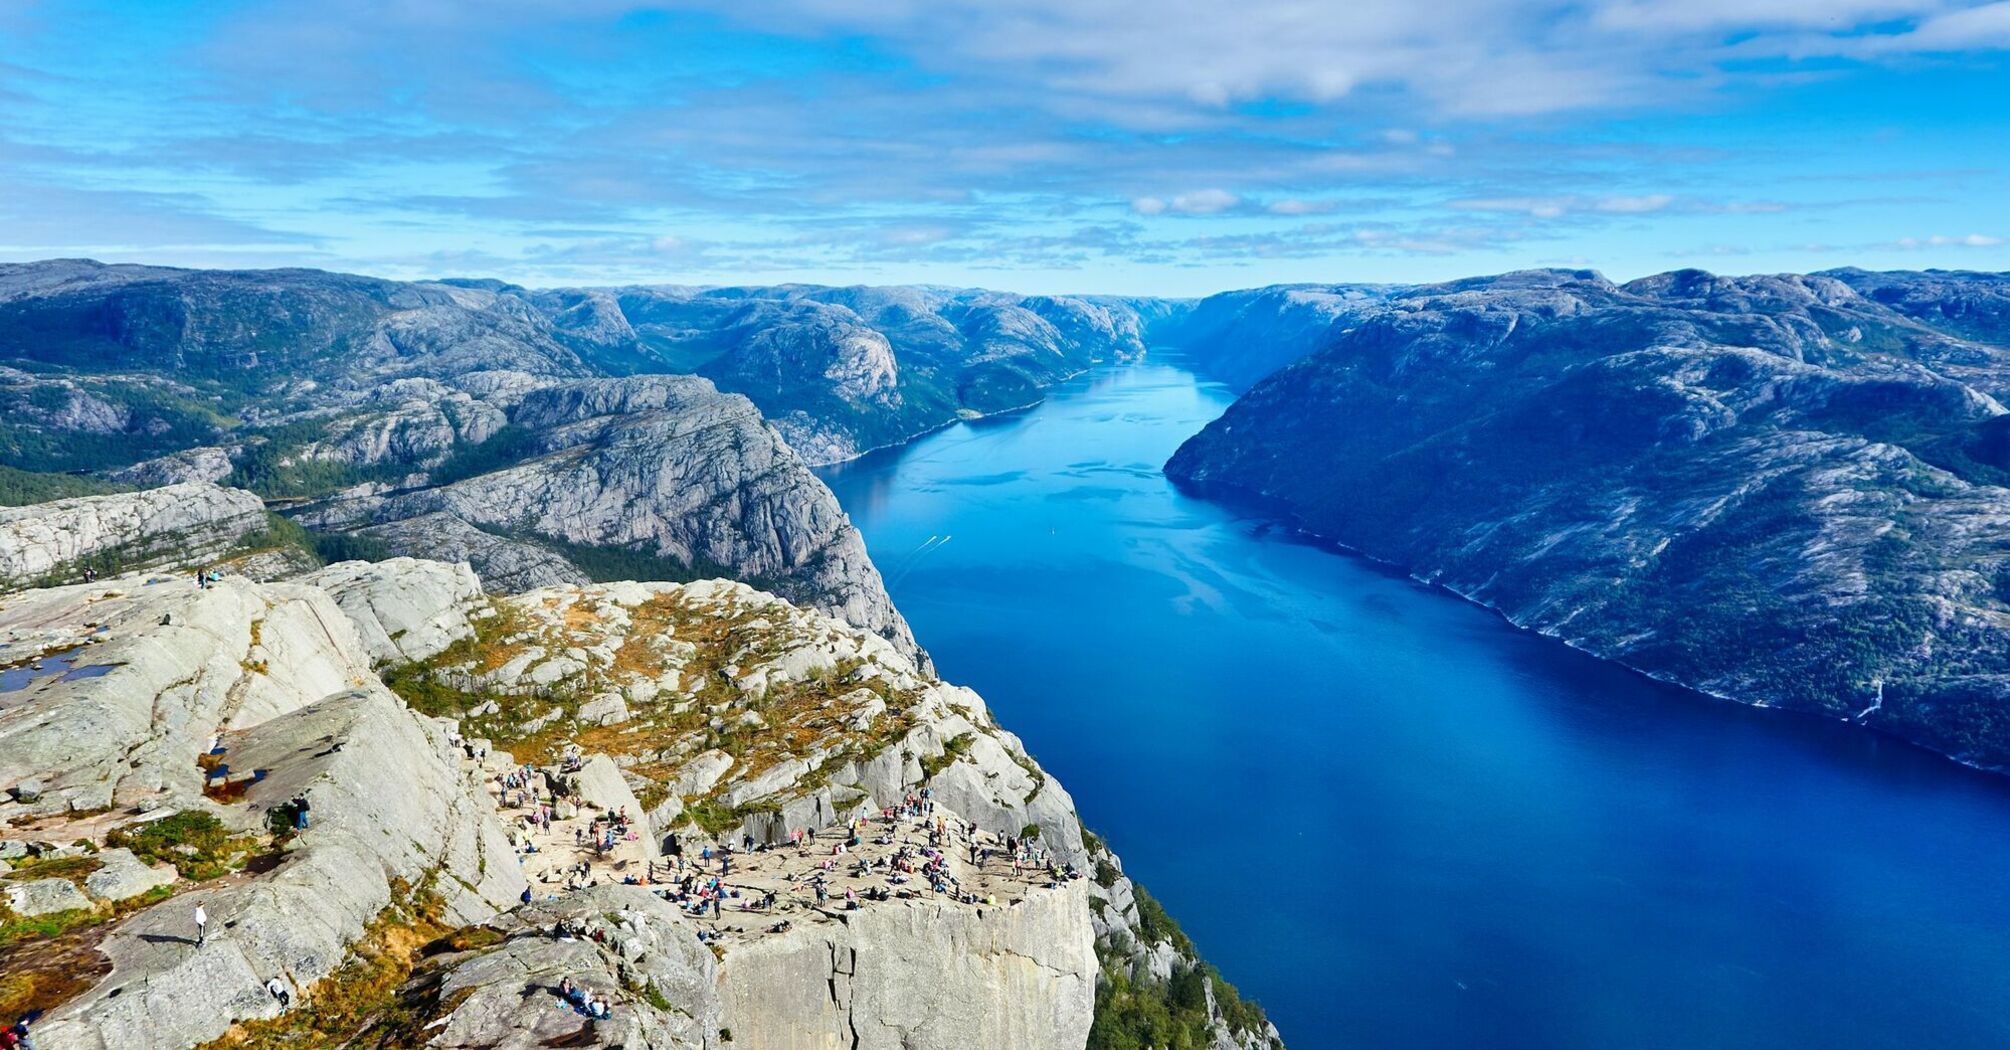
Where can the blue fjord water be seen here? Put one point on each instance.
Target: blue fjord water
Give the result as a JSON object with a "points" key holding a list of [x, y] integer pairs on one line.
{"points": [[1397, 821]]}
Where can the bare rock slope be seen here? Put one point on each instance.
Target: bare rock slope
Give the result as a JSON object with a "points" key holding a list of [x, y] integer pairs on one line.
{"points": [[181, 723], [1787, 490], [903, 875]]}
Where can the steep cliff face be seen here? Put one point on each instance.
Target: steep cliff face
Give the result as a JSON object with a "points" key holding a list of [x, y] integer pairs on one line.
{"points": [[735, 716], [921, 974], [1773, 489], [171, 724], [648, 476]]}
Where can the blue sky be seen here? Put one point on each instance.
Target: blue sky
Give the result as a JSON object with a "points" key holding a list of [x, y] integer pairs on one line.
{"points": [[1175, 147]]}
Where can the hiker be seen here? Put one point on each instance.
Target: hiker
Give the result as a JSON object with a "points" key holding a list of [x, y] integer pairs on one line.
{"points": [[300, 812], [280, 992], [201, 926]]}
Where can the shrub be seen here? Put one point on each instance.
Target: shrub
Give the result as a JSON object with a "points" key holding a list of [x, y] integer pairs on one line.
{"points": [[196, 843]]}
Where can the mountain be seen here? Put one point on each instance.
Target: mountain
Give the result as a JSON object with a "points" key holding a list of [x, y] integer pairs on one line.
{"points": [[1789, 490], [161, 739], [540, 435], [842, 371], [1240, 337]]}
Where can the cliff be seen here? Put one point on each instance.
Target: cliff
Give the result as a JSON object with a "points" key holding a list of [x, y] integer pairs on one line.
{"points": [[1779, 490], [162, 734], [734, 716]]}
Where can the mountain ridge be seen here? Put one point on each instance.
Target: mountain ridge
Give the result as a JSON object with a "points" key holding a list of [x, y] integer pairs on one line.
{"points": [[1773, 488]]}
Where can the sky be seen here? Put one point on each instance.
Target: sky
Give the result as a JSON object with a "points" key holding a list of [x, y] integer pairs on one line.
{"points": [[1176, 147]]}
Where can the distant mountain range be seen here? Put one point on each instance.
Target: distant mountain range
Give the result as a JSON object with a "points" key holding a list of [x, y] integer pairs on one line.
{"points": [[545, 436], [1786, 490]]}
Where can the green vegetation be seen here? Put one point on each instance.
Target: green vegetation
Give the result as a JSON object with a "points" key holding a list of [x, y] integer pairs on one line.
{"points": [[332, 547], [325, 548], [15, 928], [196, 843], [366, 1001], [1141, 1013], [108, 562], [158, 420], [714, 817], [1145, 1014], [20, 488], [608, 564], [1157, 927], [47, 960], [504, 448], [952, 749], [72, 868], [272, 464]]}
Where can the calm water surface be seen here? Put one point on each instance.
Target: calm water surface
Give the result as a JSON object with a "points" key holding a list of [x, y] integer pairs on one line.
{"points": [[1395, 820]]}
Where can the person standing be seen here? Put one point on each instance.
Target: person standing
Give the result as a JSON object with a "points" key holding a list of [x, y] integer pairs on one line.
{"points": [[201, 926]]}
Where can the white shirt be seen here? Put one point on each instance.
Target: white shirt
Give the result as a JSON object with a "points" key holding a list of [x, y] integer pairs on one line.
{"points": [[201, 917]]}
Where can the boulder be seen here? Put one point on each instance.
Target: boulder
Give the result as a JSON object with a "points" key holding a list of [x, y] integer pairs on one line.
{"points": [[600, 783], [605, 710], [697, 776], [404, 609], [45, 897], [121, 876]]}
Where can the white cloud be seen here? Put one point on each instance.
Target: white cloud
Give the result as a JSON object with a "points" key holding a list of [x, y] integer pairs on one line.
{"points": [[1205, 202], [1470, 57], [1968, 29], [1558, 206], [1538, 207], [1972, 240], [1199, 202], [1633, 205]]}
